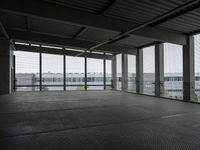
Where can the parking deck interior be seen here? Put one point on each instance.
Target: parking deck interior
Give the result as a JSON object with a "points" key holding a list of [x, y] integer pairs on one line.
{"points": [[97, 120]]}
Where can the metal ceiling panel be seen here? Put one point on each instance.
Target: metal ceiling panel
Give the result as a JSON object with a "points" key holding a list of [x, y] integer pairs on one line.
{"points": [[97, 35], [135, 41], [12, 21], [186, 23], [142, 10], [54, 28], [94, 6]]}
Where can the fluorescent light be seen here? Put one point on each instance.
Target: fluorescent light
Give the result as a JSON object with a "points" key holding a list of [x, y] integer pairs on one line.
{"points": [[72, 49], [54, 47], [21, 43], [36, 45]]}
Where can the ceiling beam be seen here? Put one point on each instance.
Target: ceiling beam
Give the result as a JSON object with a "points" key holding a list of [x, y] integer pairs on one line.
{"points": [[68, 42], [28, 23], [170, 14], [79, 33], [28, 48], [4, 32], [108, 7], [188, 6], [45, 10]]}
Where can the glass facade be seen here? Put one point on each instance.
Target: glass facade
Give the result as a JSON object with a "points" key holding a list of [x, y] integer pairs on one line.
{"points": [[75, 73], [196, 97], [108, 74], [119, 71], [95, 77], [149, 70], [52, 72], [26, 71], [131, 73], [173, 71]]}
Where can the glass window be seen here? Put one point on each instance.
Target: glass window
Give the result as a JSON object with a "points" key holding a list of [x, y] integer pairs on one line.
{"points": [[75, 73], [52, 72], [95, 77], [149, 70], [131, 73], [173, 71], [27, 71], [196, 97], [108, 74], [119, 71]]}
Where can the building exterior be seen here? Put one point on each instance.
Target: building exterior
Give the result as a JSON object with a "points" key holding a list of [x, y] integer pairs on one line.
{"points": [[173, 82]]}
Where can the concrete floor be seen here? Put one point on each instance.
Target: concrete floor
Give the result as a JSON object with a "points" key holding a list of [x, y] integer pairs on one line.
{"points": [[97, 120]]}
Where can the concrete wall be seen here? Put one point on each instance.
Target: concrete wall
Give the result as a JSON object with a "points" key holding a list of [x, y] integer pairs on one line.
{"points": [[4, 67]]}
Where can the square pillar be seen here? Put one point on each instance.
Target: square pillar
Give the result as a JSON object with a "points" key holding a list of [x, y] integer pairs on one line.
{"points": [[124, 72], [188, 70], [139, 71], [159, 70], [114, 73], [5, 61]]}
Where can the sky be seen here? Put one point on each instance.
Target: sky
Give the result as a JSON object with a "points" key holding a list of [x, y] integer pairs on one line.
{"points": [[27, 62]]}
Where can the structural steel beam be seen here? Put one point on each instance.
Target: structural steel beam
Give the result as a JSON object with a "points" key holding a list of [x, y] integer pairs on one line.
{"points": [[108, 7], [28, 23], [188, 6], [166, 16], [4, 32], [68, 42], [45, 10], [59, 52], [80, 32]]}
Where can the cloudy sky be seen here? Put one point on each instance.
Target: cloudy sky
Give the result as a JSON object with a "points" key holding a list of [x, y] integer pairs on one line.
{"points": [[27, 62]]}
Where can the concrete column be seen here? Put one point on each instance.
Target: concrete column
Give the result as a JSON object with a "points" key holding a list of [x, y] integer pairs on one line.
{"points": [[12, 69], [188, 70], [139, 71], [124, 72], [159, 70], [86, 73], [114, 73], [5, 75], [104, 73]]}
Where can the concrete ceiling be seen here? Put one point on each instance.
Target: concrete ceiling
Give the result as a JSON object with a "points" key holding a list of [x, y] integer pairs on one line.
{"points": [[87, 23]]}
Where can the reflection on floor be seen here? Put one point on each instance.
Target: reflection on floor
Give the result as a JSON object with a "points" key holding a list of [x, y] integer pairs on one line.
{"points": [[96, 120]]}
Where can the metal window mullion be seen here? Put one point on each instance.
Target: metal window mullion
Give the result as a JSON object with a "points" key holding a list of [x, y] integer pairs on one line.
{"points": [[64, 72], [104, 73], [40, 71], [14, 72], [85, 73]]}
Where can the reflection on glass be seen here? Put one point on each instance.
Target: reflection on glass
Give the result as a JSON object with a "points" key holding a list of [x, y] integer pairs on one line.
{"points": [[52, 72], [95, 74], [27, 71], [131, 73], [108, 74], [173, 71], [196, 96], [149, 70], [119, 71], [75, 73]]}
